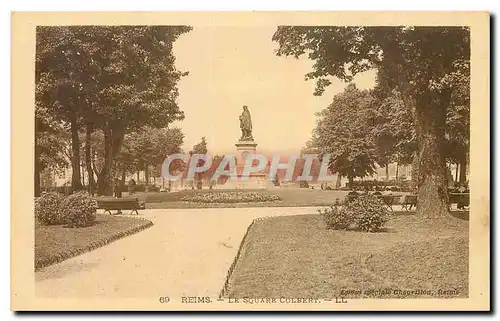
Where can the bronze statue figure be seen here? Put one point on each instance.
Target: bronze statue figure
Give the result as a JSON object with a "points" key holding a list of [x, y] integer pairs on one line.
{"points": [[246, 124]]}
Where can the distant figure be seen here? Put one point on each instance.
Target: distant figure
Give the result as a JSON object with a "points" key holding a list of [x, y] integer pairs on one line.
{"points": [[322, 186], [131, 186], [118, 192]]}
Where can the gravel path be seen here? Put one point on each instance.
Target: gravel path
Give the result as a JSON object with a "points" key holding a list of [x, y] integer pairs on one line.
{"points": [[187, 252]]}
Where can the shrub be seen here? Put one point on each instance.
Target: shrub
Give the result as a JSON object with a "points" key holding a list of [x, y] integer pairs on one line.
{"points": [[336, 218], [370, 211], [367, 212], [48, 209], [79, 209]]}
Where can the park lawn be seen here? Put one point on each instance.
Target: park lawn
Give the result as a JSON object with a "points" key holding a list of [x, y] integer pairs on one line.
{"points": [[296, 256], [291, 197], [55, 239]]}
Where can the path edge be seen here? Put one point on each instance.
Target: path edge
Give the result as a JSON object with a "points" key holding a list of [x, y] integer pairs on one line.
{"points": [[225, 288], [65, 255]]}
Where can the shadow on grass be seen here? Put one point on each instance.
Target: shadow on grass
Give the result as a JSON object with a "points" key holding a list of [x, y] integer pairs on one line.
{"points": [[382, 230], [403, 213], [463, 215], [97, 221]]}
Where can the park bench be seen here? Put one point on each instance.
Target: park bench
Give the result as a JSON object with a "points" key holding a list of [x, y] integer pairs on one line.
{"points": [[461, 199], [389, 200], [118, 204], [408, 202]]}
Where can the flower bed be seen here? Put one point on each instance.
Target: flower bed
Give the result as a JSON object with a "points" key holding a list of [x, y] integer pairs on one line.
{"points": [[231, 197]]}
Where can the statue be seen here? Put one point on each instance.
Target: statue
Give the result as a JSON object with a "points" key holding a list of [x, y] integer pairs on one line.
{"points": [[246, 124]]}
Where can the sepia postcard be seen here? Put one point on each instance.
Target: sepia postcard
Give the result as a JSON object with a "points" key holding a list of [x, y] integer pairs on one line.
{"points": [[250, 161]]}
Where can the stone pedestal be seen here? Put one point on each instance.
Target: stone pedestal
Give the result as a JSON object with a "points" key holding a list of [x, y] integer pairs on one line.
{"points": [[254, 180], [243, 148]]}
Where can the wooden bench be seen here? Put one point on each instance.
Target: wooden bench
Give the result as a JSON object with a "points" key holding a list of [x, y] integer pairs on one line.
{"points": [[389, 200], [461, 199], [118, 204], [409, 201]]}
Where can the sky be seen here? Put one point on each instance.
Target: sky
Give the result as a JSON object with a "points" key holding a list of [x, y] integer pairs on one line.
{"points": [[234, 66]]}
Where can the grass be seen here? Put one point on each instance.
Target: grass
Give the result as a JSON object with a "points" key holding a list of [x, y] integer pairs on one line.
{"points": [[296, 256], [290, 197], [55, 239]]}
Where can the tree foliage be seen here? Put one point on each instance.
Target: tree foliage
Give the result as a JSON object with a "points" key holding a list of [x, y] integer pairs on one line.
{"points": [[393, 130], [425, 64], [149, 147], [341, 132], [201, 147], [116, 79]]}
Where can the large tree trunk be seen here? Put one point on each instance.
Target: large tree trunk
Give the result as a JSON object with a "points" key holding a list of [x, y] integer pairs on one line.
{"points": [[94, 167], [387, 171], [463, 171], [121, 188], [338, 183], [104, 184], [82, 171], [397, 170], [113, 138], [146, 175], [456, 172], [414, 173], [88, 158], [351, 181], [76, 180], [430, 124]]}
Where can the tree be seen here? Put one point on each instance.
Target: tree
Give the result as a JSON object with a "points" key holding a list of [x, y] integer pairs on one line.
{"points": [[148, 147], [113, 78], [343, 132], [139, 87], [458, 125], [200, 148], [50, 145], [63, 77], [422, 63], [393, 130]]}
